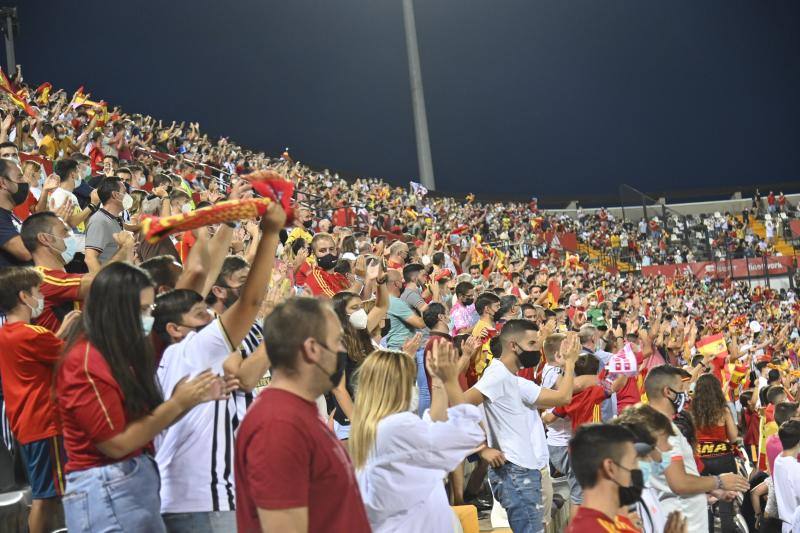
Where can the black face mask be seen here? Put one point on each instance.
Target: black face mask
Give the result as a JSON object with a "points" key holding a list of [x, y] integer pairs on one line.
{"points": [[327, 262], [469, 301], [678, 401], [21, 195], [528, 358], [308, 223], [341, 363], [633, 493], [231, 296]]}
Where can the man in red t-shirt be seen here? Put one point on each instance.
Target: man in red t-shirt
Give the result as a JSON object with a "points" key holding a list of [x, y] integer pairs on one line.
{"points": [[321, 278], [52, 246], [28, 356], [605, 462], [292, 473]]}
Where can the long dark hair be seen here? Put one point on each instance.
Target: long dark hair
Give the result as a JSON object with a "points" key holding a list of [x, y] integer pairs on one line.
{"points": [[708, 403], [112, 323], [357, 342]]}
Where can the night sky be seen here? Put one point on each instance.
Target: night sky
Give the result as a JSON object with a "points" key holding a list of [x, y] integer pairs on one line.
{"points": [[564, 98]]}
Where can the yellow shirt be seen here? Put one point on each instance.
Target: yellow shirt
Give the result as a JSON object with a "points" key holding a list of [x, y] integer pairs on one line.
{"points": [[47, 147], [485, 355]]}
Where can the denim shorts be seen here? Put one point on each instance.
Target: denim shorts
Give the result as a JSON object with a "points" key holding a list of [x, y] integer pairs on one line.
{"points": [[519, 491], [122, 496]]}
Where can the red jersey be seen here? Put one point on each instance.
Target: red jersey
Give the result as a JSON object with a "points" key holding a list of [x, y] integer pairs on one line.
{"points": [[61, 293], [584, 406], [96, 159], [28, 355], [324, 283], [286, 457], [91, 405], [592, 521]]}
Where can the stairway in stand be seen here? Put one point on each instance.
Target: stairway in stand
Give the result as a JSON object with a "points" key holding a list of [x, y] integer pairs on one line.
{"points": [[596, 256], [779, 242]]}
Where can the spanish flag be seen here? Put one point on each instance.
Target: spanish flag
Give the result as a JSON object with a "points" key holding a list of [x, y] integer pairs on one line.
{"points": [[43, 93], [599, 295], [553, 293], [712, 345], [16, 96]]}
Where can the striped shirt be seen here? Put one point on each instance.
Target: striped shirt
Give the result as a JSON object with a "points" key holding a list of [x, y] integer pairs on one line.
{"points": [[195, 455]]}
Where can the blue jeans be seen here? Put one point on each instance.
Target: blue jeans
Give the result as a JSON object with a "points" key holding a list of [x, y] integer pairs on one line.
{"points": [[422, 382], [118, 497], [211, 522], [519, 491]]}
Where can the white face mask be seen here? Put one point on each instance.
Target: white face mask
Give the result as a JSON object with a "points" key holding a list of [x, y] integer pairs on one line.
{"points": [[142, 181], [36, 311], [359, 319], [414, 403], [127, 201], [186, 208], [147, 323]]}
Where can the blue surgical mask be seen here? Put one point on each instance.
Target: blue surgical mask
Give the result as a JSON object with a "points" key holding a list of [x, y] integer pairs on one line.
{"points": [[147, 323], [70, 248], [666, 460]]}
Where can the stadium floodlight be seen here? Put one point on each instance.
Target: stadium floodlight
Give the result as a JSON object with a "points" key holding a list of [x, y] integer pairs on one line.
{"points": [[418, 99]]}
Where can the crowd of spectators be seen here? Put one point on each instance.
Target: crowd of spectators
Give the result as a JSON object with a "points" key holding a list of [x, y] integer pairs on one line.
{"points": [[373, 358]]}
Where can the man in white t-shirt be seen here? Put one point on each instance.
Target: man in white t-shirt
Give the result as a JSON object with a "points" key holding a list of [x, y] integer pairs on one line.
{"points": [[516, 433], [679, 486], [195, 455], [786, 475], [68, 170]]}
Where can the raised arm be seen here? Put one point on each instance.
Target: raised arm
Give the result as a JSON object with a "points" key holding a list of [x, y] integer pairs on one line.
{"points": [[238, 319]]}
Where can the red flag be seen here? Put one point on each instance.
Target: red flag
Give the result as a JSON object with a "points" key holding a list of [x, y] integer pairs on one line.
{"points": [[553, 293]]}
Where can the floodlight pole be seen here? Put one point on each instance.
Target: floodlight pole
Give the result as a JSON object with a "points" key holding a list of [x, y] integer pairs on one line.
{"points": [[8, 22], [418, 98]]}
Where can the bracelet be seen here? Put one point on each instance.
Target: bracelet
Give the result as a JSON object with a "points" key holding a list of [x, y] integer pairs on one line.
{"points": [[93, 208], [719, 482]]}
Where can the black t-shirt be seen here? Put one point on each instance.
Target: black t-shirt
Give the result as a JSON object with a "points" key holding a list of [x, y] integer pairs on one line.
{"points": [[9, 228]]}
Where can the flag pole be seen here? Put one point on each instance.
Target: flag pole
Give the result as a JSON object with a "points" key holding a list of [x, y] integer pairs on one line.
{"points": [[418, 99]]}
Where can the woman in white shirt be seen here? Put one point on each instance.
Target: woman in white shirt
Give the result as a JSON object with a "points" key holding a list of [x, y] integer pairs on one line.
{"points": [[401, 460]]}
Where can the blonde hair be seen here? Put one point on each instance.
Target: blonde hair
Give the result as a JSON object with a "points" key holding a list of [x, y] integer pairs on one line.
{"points": [[384, 388]]}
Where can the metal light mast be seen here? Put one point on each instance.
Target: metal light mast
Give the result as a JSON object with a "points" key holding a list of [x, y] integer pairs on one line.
{"points": [[418, 99]]}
